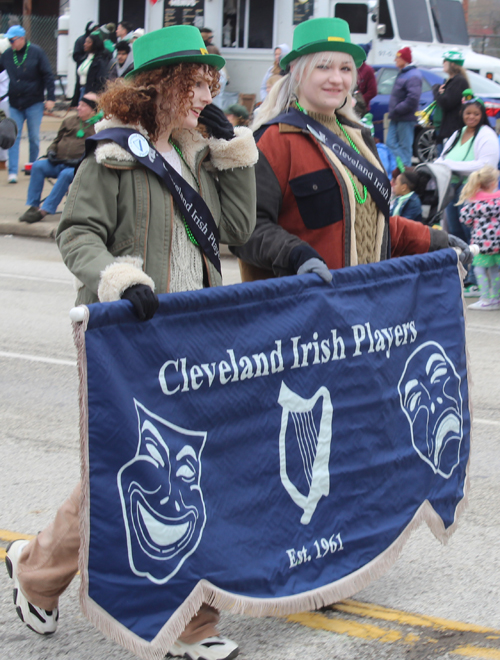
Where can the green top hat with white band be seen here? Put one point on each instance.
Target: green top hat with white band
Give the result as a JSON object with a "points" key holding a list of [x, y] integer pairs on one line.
{"points": [[323, 34], [454, 56], [172, 45]]}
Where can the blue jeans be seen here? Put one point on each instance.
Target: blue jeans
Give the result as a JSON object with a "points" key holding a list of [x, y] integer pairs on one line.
{"points": [[458, 229], [400, 140], [33, 116], [42, 169]]}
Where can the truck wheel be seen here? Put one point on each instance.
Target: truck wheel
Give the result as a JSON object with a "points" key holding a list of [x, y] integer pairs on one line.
{"points": [[424, 147]]}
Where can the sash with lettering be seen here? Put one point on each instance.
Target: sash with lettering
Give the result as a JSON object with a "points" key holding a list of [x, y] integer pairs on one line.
{"points": [[267, 447], [375, 180], [190, 203]]}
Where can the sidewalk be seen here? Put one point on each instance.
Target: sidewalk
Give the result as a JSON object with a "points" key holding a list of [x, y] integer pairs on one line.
{"points": [[13, 196]]}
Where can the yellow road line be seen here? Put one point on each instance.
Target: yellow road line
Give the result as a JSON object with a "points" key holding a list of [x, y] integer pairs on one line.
{"points": [[477, 652], [341, 626], [2, 554], [8, 536], [397, 616]]}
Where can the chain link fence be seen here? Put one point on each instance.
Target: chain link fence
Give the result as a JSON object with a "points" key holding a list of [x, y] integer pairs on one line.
{"points": [[41, 30], [487, 45]]}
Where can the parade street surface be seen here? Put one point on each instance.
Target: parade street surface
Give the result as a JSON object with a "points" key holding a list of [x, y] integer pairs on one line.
{"points": [[435, 602]]}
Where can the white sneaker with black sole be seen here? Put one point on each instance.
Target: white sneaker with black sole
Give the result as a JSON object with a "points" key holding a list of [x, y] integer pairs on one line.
{"points": [[37, 619], [211, 648]]}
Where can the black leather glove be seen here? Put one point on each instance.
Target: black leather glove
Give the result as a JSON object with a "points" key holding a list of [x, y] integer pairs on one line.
{"points": [[216, 122], [465, 255], [305, 259], [8, 133], [144, 300]]}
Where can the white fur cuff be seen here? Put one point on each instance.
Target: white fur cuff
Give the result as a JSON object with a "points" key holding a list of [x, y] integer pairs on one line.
{"points": [[241, 151], [120, 275]]}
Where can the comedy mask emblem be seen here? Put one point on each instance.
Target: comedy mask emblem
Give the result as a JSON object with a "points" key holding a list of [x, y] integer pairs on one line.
{"points": [[430, 397], [304, 447], [162, 502]]}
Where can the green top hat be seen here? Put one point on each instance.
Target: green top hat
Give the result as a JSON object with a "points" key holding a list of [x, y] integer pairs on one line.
{"points": [[323, 34], [172, 45], [454, 56]]}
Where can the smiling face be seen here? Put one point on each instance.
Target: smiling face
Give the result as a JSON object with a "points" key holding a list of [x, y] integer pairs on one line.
{"points": [[325, 84], [472, 115], [201, 97], [162, 502]]}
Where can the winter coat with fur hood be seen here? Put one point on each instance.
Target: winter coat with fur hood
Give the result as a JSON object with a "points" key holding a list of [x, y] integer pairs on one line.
{"points": [[117, 225]]}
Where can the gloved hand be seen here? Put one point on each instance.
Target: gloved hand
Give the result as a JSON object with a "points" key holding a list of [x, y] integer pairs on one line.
{"points": [[317, 266], [304, 259], [216, 122], [8, 133], [144, 300], [465, 255]]}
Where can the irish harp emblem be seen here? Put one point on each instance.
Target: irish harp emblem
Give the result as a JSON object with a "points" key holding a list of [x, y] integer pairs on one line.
{"points": [[311, 433]]}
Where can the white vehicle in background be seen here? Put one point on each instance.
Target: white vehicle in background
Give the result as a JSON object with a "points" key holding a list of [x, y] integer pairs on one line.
{"points": [[428, 27]]}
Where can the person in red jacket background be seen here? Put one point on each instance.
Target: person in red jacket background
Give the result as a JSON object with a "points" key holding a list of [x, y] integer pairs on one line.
{"points": [[367, 83]]}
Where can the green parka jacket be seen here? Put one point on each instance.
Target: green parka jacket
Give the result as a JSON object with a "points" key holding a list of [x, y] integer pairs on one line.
{"points": [[116, 228]]}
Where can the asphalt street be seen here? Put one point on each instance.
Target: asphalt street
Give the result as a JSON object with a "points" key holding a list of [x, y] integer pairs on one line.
{"points": [[435, 602]]}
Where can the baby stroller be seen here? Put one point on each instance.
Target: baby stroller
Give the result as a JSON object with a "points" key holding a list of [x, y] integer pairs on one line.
{"points": [[435, 191]]}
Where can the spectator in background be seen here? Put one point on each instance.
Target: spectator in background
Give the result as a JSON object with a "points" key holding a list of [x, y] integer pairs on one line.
{"points": [[207, 35], [367, 83], [79, 55], [274, 70], [93, 71], [403, 104], [448, 96], [30, 75], [4, 99], [63, 156], [237, 115], [406, 201], [124, 62], [137, 34], [106, 33], [124, 31]]}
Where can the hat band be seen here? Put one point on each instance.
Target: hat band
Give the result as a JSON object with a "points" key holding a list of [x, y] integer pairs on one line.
{"points": [[323, 41], [179, 53]]}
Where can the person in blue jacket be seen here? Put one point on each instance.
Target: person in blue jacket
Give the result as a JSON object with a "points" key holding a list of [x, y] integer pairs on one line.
{"points": [[403, 103], [30, 75], [406, 202]]}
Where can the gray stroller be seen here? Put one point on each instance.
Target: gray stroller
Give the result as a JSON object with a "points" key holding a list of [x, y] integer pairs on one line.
{"points": [[435, 191]]}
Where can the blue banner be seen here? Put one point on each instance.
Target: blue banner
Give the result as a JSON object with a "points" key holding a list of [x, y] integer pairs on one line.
{"points": [[268, 446]]}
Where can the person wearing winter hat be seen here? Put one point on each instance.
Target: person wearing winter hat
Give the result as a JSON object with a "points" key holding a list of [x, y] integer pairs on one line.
{"points": [[317, 205], [122, 195], [403, 103], [30, 76], [448, 96], [274, 70], [237, 114]]}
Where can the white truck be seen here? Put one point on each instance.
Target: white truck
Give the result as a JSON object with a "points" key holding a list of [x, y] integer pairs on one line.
{"points": [[428, 27]]}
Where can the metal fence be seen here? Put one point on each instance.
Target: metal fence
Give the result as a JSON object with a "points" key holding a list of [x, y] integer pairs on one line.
{"points": [[489, 45], [41, 30]]}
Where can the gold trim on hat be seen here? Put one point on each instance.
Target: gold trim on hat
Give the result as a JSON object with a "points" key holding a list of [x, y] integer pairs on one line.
{"points": [[336, 39]]}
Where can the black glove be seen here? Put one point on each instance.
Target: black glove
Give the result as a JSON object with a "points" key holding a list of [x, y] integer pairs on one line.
{"points": [[216, 122], [144, 300], [305, 259], [465, 255], [8, 133]]}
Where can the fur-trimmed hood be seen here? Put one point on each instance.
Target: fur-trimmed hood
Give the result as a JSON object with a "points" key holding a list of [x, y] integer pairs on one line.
{"points": [[241, 151]]}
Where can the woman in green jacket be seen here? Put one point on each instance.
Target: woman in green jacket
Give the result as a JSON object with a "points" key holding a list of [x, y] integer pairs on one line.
{"points": [[123, 235], [121, 227]]}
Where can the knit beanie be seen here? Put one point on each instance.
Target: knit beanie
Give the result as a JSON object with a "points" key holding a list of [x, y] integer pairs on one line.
{"points": [[405, 54]]}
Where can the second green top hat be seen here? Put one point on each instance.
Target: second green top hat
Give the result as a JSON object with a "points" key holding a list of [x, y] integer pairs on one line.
{"points": [[323, 34], [172, 45]]}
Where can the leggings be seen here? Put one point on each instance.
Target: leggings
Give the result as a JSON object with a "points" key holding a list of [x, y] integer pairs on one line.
{"points": [[488, 281]]}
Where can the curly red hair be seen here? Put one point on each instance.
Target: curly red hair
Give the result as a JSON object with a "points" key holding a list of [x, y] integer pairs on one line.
{"points": [[156, 99]]}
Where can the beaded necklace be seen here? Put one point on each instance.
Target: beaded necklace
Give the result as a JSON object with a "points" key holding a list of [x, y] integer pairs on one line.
{"points": [[357, 195], [186, 226], [90, 122], [14, 55]]}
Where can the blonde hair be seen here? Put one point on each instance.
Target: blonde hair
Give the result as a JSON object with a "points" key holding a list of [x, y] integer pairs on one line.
{"points": [[479, 180], [285, 92], [456, 69]]}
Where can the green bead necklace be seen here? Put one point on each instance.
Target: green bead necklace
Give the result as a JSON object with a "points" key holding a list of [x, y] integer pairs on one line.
{"points": [[14, 55], [186, 226], [357, 195]]}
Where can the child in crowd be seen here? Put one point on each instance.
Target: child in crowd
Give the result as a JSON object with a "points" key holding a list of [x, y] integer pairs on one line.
{"points": [[405, 201], [481, 209]]}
